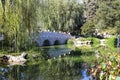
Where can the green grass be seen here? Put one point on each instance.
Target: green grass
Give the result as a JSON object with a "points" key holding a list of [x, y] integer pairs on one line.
{"points": [[110, 46], [112, 43], [96, 42]]}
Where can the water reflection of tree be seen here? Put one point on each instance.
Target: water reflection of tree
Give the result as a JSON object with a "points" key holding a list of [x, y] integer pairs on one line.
{"points": [[20, 73], [61, 69], [10, 73], [52, 70]]}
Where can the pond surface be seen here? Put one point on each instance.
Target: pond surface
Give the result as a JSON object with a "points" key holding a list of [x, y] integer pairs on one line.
{"points": [[55, 69], [56, 51]]}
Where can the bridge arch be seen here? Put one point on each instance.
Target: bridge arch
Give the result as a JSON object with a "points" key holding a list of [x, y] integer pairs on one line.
{"points": [[66, 41], [46, 42], [56, 42]]}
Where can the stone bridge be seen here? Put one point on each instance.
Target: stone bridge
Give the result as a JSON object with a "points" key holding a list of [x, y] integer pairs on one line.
{"points": [[52, 38], [1, 37]]}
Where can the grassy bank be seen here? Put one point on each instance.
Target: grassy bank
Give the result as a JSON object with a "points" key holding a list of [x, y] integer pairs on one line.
{"points": [[110, 44]]}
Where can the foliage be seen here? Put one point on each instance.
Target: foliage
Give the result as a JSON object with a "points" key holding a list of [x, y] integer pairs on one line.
{"points": [[95, 41], [70, 41], [108, 13], [61, 15], [88, 28], [110, 30], [112, 43], [84, 50], [84, 39], [107, 67], [105, 15], [22, 20], [90, 8], [18, 23]]}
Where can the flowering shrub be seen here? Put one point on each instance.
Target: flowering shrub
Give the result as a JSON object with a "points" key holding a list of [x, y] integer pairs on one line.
{"points": [[107, 67]]}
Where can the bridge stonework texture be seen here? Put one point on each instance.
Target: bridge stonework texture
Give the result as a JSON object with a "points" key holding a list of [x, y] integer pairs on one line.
{"points": [[52, 38]]}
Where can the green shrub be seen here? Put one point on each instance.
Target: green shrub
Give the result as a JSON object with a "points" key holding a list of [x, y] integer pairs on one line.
{"points": [[88, 28], [107, 67], [70, 41]]}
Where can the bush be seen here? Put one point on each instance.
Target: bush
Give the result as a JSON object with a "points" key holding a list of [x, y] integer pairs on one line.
{"points": [[70, 41], [107, 67], [88, 28]]}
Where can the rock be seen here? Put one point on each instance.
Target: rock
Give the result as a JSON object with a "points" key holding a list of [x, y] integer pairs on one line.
{"points": [[3, 60], [24, 55], [16, 59]]}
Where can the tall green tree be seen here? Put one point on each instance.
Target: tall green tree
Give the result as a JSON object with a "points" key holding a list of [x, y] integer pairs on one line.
{"points": [[107, 17], [108, 14], [19, 23], [22, 19], [62, 15]]}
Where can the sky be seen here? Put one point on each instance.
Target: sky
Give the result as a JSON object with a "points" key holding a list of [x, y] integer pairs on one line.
{"points": [[80, 1]]}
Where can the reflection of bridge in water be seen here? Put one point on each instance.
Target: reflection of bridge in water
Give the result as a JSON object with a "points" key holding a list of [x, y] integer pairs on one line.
{"points": [[52, 38], [56, 52]]}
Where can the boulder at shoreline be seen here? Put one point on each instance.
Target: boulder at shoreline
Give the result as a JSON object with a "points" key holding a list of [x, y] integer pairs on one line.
{"points": [[21, 59]]}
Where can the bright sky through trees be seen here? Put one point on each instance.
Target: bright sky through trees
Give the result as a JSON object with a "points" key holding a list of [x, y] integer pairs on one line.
{"points": [[80, 1]]}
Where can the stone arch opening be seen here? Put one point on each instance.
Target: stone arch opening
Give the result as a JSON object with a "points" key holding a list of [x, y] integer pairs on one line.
{"points": [[46, 42], [57, 42], [66, 41]]}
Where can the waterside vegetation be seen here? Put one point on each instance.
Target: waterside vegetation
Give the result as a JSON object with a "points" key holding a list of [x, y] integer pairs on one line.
{"points": [[22, 20]]}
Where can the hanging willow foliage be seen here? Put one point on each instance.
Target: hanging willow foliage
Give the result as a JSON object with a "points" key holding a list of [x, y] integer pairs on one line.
{"points": [[21, 19], [18, 23]]}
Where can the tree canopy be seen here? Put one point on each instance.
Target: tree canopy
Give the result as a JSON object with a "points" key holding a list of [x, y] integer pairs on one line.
{"points": [[18, 22], [106, 15], [61, 15], [21, 20]]}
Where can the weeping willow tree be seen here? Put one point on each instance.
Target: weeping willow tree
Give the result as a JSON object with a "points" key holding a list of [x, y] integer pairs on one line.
{"points": [[18, 23], [21, 19]]}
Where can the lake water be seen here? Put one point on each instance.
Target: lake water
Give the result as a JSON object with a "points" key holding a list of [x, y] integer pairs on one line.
{"points": [[55, 69]]}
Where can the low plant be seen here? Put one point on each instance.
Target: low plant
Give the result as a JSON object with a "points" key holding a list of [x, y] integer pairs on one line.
{"points": [[70, 41], [107, 67]]}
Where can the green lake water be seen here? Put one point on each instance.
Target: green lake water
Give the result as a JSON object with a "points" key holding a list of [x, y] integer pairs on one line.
{"points": [[58, 66]]}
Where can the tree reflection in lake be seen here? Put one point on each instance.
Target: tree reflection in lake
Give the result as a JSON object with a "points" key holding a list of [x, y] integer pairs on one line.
{"points": [[53, 70], [65, 68]]}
